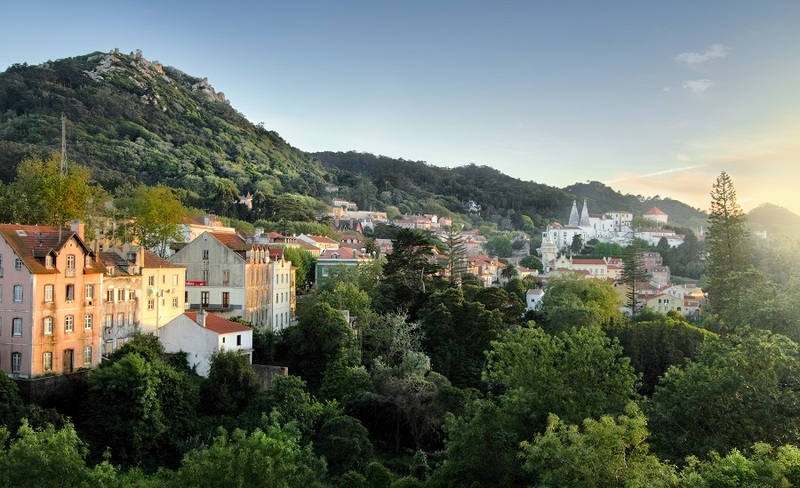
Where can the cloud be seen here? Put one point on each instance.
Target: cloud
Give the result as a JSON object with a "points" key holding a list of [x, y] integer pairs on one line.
{"points": [[697, 59], [697, 86]]}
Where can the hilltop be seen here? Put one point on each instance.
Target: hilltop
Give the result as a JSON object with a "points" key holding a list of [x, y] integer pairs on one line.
{"points": [[131, 119]]}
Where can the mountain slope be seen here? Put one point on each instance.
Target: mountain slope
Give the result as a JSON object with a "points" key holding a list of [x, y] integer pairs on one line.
{"points": [[775, 220], [128, 118]]}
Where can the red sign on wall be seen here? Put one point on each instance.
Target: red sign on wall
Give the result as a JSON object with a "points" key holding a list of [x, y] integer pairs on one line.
{"points": [[196, 283]]}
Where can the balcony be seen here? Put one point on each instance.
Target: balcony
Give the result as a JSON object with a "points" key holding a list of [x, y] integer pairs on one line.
{"points": [[70, 273]]}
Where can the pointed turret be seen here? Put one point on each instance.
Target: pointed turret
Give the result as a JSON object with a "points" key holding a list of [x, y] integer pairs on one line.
{"points": [[585, 215], [573, 216]]}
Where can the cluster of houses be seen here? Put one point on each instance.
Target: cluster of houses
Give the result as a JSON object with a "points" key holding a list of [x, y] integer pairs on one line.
{"points": [[658, 293], [66, 300]]}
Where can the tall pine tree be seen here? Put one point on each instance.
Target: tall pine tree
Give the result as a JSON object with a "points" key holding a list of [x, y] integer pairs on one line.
{"points": [[633, 272], [729, 245]]}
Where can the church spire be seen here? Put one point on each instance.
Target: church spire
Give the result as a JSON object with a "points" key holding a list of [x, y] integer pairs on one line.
{"points": [[585, 215], [573, 216]]}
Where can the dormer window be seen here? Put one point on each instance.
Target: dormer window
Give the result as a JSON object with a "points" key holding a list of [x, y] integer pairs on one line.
{"points": [[48, 261], [88, 261]]}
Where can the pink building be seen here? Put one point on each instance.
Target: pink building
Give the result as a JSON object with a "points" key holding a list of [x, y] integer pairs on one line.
{"points": [[49, 301]]}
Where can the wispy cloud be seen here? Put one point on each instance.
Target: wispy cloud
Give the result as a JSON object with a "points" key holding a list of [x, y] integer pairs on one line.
{"points": [[697, 59], [655, 173], [697, 86]]}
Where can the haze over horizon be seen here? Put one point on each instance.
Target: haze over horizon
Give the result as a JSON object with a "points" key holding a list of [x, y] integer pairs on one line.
{"points": [[651, 99]]}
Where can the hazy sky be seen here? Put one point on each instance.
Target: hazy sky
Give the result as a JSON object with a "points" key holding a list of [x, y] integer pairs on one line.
{"points": [[651, 98]]}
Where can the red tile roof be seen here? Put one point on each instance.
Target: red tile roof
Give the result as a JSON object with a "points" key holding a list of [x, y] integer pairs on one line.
{"points": [[32, 243], [232, 241], [218, 324], [654, 211], [152, 260], [588, 261]]}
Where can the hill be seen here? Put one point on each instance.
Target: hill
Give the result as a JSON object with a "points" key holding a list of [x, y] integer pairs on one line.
{"points": [[131, 119], [777, 221]]}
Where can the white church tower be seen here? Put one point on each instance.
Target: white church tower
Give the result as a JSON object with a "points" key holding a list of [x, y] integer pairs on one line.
{"points": [[585, 215], [573, 215]]}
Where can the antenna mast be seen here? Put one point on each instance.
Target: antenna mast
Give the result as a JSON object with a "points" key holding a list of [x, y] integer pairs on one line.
{"points": [[63, 145]]}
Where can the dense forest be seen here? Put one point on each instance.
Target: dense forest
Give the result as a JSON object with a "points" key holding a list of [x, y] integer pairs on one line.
{"points": [[439, 383]]}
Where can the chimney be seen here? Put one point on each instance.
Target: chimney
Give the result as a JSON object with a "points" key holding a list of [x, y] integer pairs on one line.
{"points": [[77, 227], [201, 317]]}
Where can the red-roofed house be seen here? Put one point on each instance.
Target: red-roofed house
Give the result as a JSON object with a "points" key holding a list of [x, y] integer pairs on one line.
{"points": [[201, 334], [322, 242], [49, 301], [655, 214]]}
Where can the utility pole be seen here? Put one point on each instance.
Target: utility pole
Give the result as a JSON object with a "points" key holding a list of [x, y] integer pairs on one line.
{"points": [[63, 145]]}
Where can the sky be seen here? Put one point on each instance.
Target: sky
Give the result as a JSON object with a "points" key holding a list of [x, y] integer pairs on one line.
{"points": [[650, 98]]}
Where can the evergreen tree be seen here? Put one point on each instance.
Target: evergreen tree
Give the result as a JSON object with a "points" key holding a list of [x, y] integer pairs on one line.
{"points": [[456, 263], [633, 271], [729, 247]]}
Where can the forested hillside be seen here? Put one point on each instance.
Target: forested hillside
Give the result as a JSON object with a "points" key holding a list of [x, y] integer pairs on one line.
{"points": [[130, 119]]}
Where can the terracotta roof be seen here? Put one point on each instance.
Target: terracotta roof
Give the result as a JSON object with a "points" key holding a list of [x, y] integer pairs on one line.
{"points": [[321, 239], [218, 324], [306, 245], [654, 211], [32, 243], [276, 252], [152, 260], [588, 261], [232, 241]]}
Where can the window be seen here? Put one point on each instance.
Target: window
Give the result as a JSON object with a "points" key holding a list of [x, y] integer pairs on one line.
{"points": [[120, 319], [88, 321], [17, 293], [17, 263], [70, 293], [238, 339], [109, 320], [87, 355], [163, 279], [47, 361], [69, 323], [175, 279], [226, 299], [205, 275], [205, 254], [175, 302], [71, 265], [48, 261], [48, 293], [89, 291], [151, 304], [110, 295], [120, 295], [226, 277], [87, 262], [1, 290], [47, 326], [16, 362], [151, 281], [16, 327], [204, 299]]}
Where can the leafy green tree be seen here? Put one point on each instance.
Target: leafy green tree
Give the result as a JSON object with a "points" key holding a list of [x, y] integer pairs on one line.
{"points": [[41, 194], [126, 415], [763, 465], [578, 302], [304, 263], [271, 458], [532, 262], [728, 240], [499, 246], [11, 406], [736, 391], [605, 452], [46, 458], [344, 444], [410, 271], [151, 215], [231, 384], [607, 250], [347, 296], [574, 375], [656, 344], [457, 332], [319, 338], [577, 244], [633, 273]]}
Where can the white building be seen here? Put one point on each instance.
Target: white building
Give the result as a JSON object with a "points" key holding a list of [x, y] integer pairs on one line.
{"points": [[200, 335], [533, 298]]}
